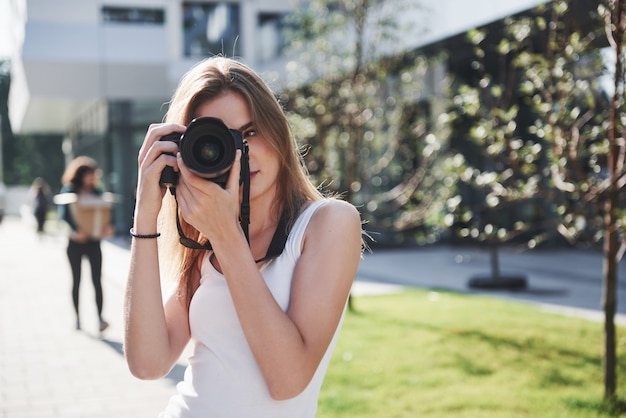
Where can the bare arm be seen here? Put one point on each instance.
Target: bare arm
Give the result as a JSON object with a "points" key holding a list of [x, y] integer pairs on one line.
{"points": [[155, 335], [288, 347]]}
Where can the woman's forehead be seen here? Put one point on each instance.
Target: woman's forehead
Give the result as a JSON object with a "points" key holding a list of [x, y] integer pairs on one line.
{"points": [[230, 107]]}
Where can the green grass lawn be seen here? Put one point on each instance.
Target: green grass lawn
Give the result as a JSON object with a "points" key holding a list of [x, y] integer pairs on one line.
{"points": [[432, 354]]}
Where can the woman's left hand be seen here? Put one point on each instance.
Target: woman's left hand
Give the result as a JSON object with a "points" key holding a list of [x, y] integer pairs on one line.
{"points": [[205, 205], [108, 231]]}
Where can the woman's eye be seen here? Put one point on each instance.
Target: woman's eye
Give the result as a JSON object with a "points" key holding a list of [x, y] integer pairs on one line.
{"points": [[249, 133]]}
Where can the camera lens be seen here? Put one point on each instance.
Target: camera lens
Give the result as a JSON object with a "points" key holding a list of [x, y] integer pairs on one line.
{"points": [[208, 150]]}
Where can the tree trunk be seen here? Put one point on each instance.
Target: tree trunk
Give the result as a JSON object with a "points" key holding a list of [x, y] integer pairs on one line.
{"points": [[610, 248], [495, 261], [609, 297]]}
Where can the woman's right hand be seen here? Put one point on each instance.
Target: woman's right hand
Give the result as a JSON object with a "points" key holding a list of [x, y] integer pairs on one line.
{"points": [[154, 156]]}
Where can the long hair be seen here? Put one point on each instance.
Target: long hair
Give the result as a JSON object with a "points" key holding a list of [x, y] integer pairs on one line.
{"points": [[208, 80]]}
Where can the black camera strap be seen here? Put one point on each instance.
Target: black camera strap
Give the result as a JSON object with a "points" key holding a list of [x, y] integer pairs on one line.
{"points": [[244, 211], [277, 245]]}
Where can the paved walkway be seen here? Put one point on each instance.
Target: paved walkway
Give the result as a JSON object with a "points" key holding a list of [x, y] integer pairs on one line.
{"points": [[567, 280], [48, 369]]}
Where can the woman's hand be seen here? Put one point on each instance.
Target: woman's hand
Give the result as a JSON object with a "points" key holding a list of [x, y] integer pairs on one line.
{"points": [[79, 236], [108, 231], [211, 209], [154, 156]]}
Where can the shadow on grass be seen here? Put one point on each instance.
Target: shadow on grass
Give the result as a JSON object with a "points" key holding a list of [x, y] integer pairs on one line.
{"points": [[533, 346], [547, 362], [529, 344], [613, 407]]}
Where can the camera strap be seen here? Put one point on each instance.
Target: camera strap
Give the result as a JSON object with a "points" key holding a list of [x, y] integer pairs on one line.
{"points": [[277, 245], [244, 211]]}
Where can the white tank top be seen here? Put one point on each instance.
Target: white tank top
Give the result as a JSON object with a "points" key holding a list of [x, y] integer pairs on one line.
{"points": [[223, 378]]}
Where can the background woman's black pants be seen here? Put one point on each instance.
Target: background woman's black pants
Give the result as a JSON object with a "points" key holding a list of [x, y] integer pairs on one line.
{"points": [[75, 253]]}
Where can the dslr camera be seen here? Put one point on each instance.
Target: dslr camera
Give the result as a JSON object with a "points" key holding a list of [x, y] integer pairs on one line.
{"points": [[208, 149]]}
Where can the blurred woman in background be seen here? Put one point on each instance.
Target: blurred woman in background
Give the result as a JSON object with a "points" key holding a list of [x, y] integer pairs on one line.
{"points": [[81, 179]]}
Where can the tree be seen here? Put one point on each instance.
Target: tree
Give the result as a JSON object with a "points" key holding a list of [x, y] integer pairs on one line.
{"points": [[573, 155], [502, 177], [613, 191], [584, 133], [365, 114]]}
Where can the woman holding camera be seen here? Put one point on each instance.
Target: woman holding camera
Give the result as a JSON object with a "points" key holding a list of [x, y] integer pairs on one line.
{"points": [[263, 325]]}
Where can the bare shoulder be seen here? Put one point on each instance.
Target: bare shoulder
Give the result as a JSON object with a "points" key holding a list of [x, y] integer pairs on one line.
{"points": [[335, 219], [335, 210]]}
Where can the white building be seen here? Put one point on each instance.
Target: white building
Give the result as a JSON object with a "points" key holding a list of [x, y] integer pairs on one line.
{"points": [[71, 54]]}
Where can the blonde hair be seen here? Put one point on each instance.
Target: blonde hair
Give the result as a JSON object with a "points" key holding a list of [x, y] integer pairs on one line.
{"points": [[206, 81]]}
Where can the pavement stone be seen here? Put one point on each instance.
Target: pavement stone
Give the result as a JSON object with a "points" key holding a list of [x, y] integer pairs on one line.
{"points": [[47, 367]]}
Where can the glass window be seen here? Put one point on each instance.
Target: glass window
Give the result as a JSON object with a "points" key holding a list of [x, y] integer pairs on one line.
{"points": [[132, 15], [210, 28], [271, 36]]}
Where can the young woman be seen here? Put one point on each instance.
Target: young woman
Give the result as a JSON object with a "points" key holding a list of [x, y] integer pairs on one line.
{"points": [[263, 330], [80, 178]]}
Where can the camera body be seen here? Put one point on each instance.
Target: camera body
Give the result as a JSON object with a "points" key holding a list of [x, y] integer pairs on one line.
{"points": [[207, 148]]}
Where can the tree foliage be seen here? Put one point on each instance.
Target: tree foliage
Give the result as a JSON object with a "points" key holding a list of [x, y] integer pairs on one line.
{"points": [[366, 116], [502, 175], [582, 124], [563, 86]]}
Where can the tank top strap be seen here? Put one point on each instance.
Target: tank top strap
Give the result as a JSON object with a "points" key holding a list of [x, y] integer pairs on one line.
{"points": [[302, 222]]}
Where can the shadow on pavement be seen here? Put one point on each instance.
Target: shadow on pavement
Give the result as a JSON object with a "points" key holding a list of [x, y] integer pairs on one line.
{"points": [[175, 375], [546, 291]]}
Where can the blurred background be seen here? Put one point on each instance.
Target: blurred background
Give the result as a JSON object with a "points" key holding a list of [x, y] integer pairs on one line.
{"points": [[475, 122]]}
